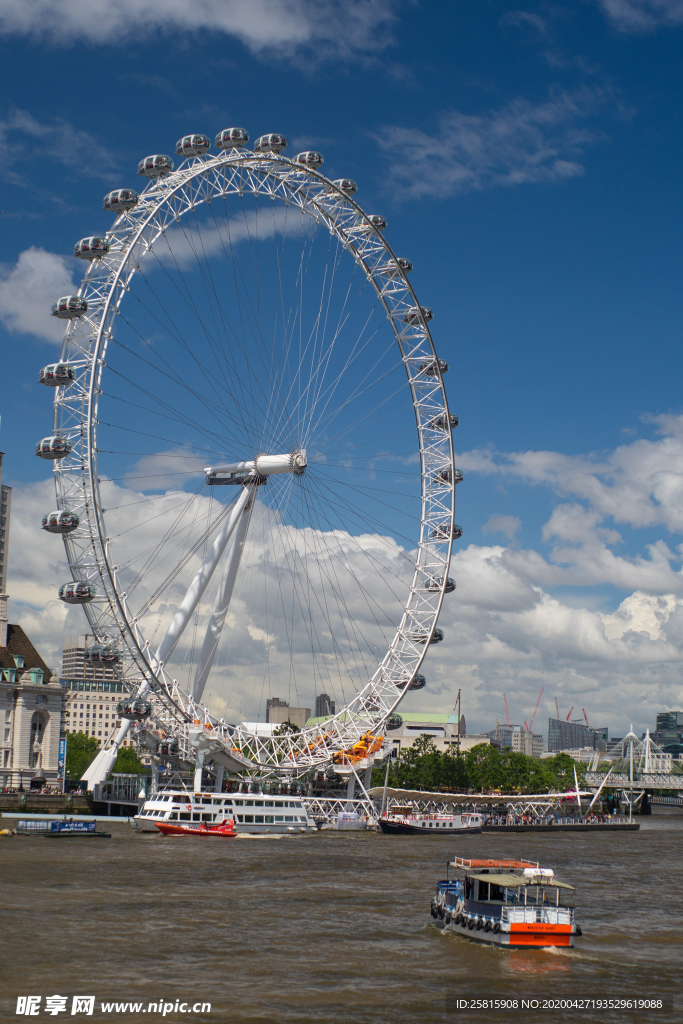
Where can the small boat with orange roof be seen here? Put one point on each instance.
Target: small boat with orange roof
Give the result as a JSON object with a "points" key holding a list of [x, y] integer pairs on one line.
{"points": [[506, 903]]}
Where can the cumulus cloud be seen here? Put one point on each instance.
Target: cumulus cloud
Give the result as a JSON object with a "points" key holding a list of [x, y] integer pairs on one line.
{"points": [[28, 289], [329, 27], [522, 142], [643, 15]]}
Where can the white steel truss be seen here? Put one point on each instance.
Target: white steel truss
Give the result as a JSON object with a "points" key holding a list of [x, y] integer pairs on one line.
{"points": [[105, 285]]}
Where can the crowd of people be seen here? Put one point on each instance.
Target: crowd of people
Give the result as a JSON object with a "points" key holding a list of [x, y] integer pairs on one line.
{"points": [[549, 819]]}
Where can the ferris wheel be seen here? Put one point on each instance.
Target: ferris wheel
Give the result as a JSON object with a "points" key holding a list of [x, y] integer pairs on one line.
{"points": [[252, 455]]}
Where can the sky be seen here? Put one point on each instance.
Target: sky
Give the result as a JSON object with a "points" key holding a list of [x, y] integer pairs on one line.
{"points": [[528, 161]]}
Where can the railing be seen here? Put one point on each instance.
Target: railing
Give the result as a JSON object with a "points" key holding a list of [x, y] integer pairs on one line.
{"points": [[538, 915]]}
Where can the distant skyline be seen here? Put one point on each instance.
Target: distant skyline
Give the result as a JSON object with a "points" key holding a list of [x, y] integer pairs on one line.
{"points": [[528, 161]]}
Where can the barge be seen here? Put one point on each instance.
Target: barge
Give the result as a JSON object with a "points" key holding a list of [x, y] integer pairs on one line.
{"points": [[405, 821], [506, 903]]}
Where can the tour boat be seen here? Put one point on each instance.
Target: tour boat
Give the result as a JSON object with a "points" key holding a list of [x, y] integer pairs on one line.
{"points": [[251, 812], [506, 903], [406, 821], [226, 829]]}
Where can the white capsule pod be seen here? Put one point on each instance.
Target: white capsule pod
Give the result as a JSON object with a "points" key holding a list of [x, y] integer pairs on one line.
{"points": [[102, 654], [77, 592], [56, 375], [374, 222], [272, 143], [420, 636], [232, 138], [396, 268], [156, 166], [54, 447], [443, 531], [346, 185], [69, 307], [91, 248], [193, 145], [309, 158], [134, 709], [433, 368], [418, 314], [444, 422], [447, 476], [60, 522], [120, 200], [418, 682]]}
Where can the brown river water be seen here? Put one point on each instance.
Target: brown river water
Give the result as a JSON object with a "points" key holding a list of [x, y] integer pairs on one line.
{"points": [[328, 927]]}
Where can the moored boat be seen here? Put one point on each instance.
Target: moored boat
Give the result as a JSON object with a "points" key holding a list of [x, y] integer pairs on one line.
{"points": [[255, 813], [506, 903], [225, 829], [406, 821]]}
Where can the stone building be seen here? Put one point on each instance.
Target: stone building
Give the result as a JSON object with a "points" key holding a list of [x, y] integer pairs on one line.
{"points": [[30, 713]]}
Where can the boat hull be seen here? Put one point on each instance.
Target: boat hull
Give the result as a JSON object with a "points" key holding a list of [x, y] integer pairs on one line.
{"points": [[537, 935], [404, 828], [183, 830], [551, 829]]}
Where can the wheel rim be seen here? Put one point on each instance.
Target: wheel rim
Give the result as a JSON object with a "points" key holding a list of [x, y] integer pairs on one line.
{"points": [[91, 341]]}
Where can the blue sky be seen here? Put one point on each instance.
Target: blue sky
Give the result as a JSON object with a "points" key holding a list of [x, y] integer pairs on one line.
{"points": [[528, 161]]}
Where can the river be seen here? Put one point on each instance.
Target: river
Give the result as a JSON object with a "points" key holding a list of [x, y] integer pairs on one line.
{"points": [[327, 927]]}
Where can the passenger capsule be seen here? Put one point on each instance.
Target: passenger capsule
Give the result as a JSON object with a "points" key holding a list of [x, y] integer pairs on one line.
{"points": [[155, 166], [435, 584], [418, 682], [60, 522], [447, 476], [418, 314], [394, 721], [432, 368], [376, 221], [232, 138], [77, 592], [120, 200], [91, 248], [56, 375], [69, 307], [443, 531], [168, 748], [346, 185], [54, 447], [443, 422], [134, 709], [103, 654], [395, 268], [193, 145], [309, 159], [423, 637], [272, 143]]}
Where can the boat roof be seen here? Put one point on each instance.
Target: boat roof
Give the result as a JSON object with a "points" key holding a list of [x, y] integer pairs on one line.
{"points": [[484, 862], [514, 881]]}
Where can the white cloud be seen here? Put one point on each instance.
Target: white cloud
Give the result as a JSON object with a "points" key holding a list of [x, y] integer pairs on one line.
{"points": [[643, 15], [522, 142], [509, 525], [28, 289], [325, 27], [640, 484], [23, 138]]}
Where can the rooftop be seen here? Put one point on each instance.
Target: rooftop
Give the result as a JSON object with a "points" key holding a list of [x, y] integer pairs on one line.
{"points": [[19, 643]]}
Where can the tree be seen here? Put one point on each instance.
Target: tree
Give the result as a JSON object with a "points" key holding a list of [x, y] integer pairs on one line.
{"points": [[81, 751], [128, 763], [285, 728]]}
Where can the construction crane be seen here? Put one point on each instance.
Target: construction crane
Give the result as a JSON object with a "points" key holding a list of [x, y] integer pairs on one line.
{"points": [[531, 721], [570, 711], [557, 708], [586, 718], [507, 713]]}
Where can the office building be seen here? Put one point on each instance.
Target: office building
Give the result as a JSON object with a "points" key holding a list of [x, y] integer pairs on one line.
{"points": [[574, 735], [521, 740], [92, 691], [279, 711], [325, 707], [669, 728], [443, 729]]}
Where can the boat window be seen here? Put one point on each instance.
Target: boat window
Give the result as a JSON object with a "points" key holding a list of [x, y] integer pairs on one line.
{"points": [[289, 818], [258, 818], [173, 816], [268, 803], [248, 817], [238, 803], [196, 817], [248, 803], [258, 803], [483, 890], [299, 805], [269, 819], [278, 817], [184, 817]]}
